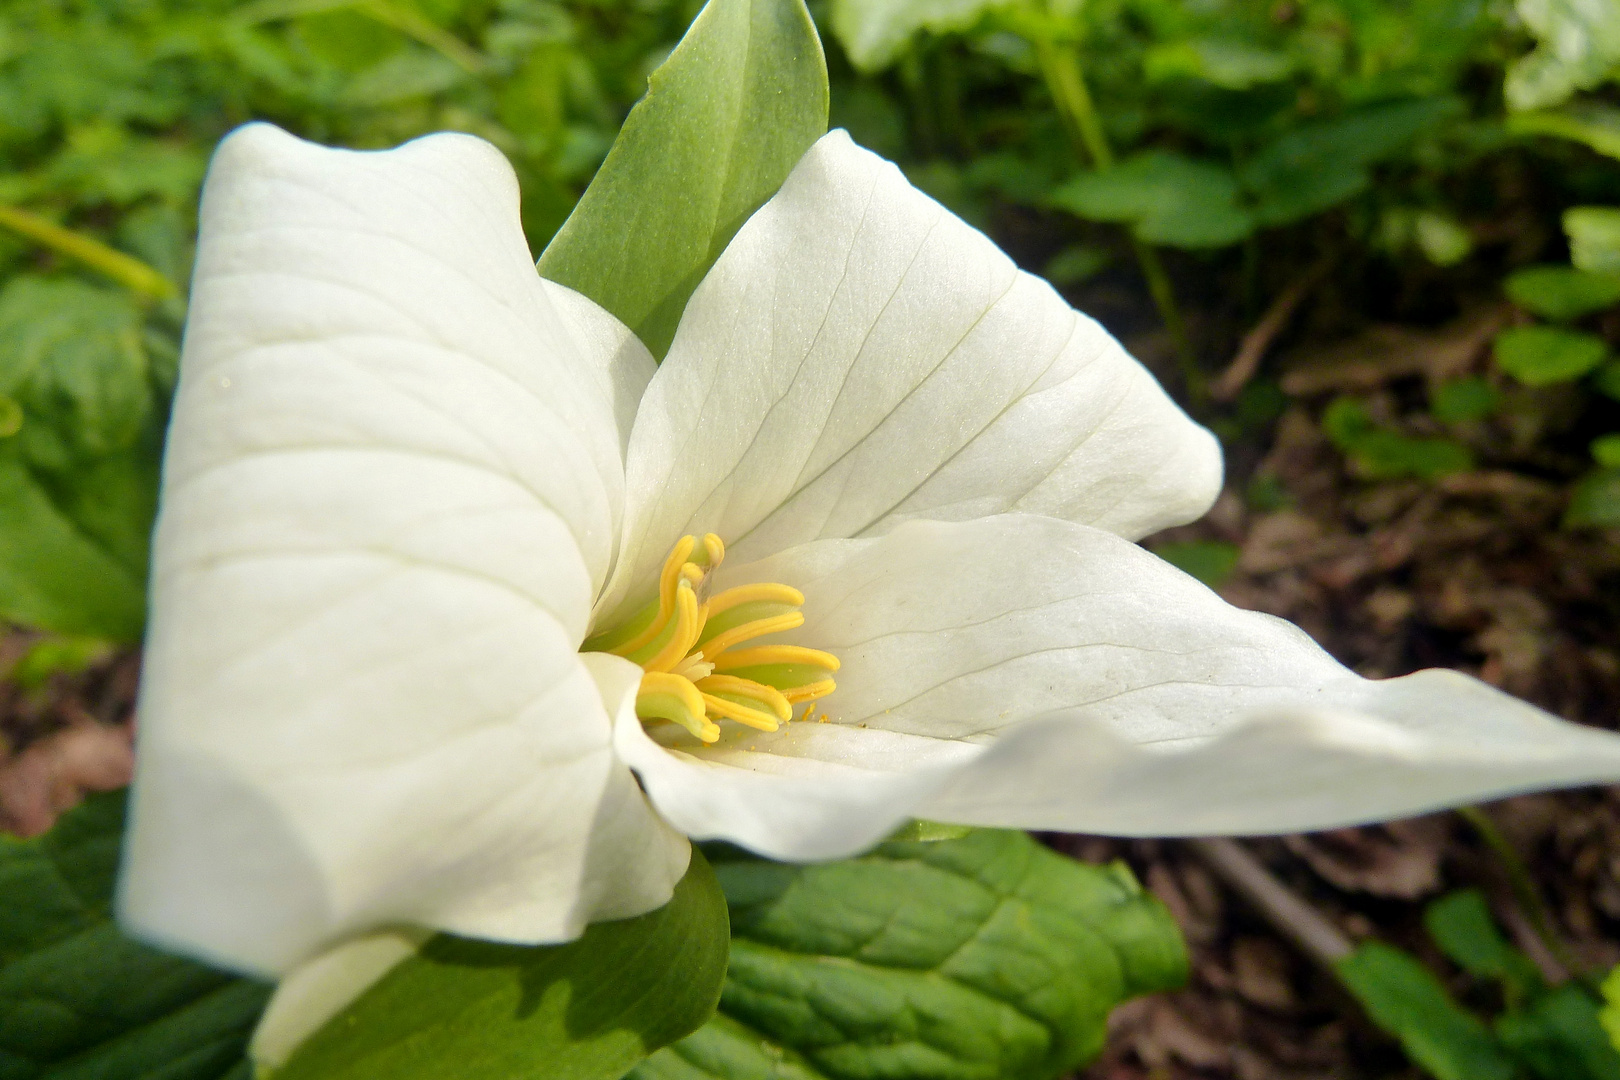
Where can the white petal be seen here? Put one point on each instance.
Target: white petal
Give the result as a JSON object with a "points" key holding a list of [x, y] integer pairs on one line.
{"points": [[1405, 746], [1177, 712], [388, 501], [858, 356], [808, 791]]}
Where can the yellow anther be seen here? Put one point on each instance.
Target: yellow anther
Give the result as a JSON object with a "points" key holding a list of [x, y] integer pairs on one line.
{"points": [[662, 696], [809, 691], [692, 675], [775, 654], [743, 714], [688, 625], [749, 630], [715, 548], [767, 591], [733, 687]]}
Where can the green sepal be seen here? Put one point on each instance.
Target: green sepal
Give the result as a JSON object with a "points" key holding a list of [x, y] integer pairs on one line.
{"points": [[724, 121]]}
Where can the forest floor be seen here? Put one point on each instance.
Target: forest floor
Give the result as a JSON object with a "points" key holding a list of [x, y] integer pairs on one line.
{"points": [[1470, 571]]}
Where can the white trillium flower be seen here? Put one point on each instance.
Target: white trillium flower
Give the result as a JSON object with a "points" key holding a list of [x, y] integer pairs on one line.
{"points": [[408, 481]]}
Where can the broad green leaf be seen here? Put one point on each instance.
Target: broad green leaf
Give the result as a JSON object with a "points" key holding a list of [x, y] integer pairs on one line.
{"points": [[1461, 925], [1606, 450], [78, 1000], [1595, 124], [1317, 165], [1441, 238], [874, 32], [1541, 355], [1462, 400], [1405, 999], [53, 575], [1595, 500], [1594, 238], [1379, 454], [724, 121], [1609, 1015], [1165, 197], [71, 354], [1210, 561], [588, 1010], [987, 957], [1579, 48], [1562, 292], [1385, 455], [1075, 263], [1560, 1036], [1229, 64]]}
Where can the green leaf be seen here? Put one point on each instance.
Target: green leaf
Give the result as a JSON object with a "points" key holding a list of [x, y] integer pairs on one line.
{"points": [[1317, 165], [1165, 197], [1229, 64], [52, 574], [1405, 999], [1379, 454], [1463, 400], [1441, 238], [1609, 1015], [1210, 561], [724, 121], [1579, 48], [1597, 125], [72, 356], [1594, 238], [874, 32], [588, 1010], [1606, 450], [1562, 292], [987, 957], [80, 1001], [1595, 500], [1541, 355], [1561, 1037], [1461, 925]]}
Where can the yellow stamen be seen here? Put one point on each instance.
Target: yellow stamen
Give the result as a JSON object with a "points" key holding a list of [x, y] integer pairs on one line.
{"points": [[743, 714], [692, 675], [810, 691], [662, 696], [767, 591], [733, 687], [759, 627], [688, 625], [775, 654]]}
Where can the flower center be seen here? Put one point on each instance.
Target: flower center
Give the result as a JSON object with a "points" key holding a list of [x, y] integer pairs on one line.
{"points": [[688, 645]]}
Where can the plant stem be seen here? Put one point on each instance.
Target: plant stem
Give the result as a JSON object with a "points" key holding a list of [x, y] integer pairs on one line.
{"points": [[1311, 931], [1526, 893], [124, 269], [1066, 81]]}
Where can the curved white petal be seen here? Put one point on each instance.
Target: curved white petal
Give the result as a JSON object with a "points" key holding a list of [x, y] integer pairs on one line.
{"points": [[389, 498], [1383, 750], [1175, 712], [858, 356]]}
